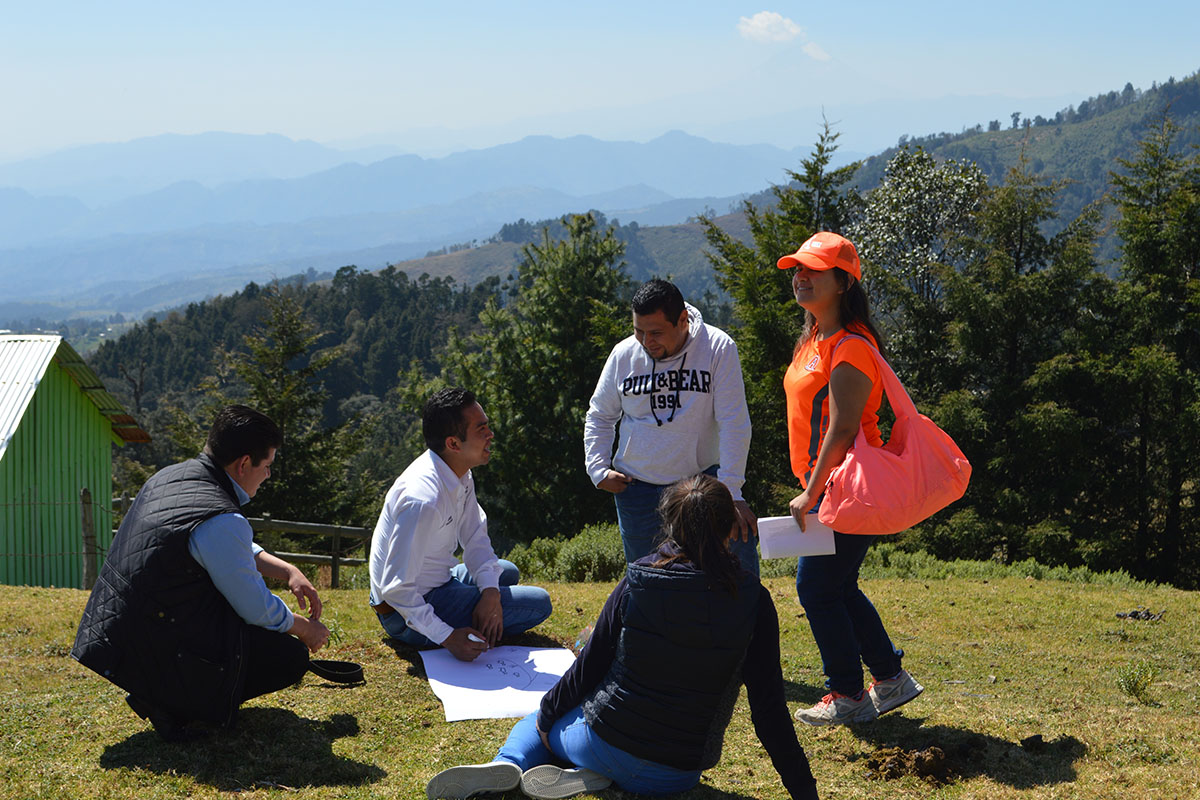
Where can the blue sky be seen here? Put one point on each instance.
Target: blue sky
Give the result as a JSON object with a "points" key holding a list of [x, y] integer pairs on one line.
{"points": [[440, 76]]}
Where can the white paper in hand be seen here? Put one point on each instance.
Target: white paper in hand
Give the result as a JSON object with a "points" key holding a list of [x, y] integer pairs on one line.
{"points": [[781, 537]]}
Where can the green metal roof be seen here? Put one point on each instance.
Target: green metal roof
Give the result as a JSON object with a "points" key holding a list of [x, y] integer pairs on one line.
{"points": [[23, 362]]}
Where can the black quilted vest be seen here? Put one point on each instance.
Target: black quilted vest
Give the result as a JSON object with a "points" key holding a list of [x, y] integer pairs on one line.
{"points": [[155, 624], [670, 691]]}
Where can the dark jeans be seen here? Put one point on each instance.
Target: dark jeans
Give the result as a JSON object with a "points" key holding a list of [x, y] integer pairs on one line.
{"points": [[270, 660], [846, 627], [273, 661], [641, 528]]}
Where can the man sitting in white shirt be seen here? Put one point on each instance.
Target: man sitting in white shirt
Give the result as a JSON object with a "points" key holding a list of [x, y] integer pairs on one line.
{"points": [[422, 594]]}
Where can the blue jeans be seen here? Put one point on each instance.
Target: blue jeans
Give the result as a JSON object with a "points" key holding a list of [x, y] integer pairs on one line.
{"points": [[454, 602], [641, 527], [571, 740], [846, 627]]}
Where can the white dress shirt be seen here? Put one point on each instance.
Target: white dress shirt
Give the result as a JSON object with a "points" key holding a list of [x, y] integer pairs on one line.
{"points": [[427, 514]]}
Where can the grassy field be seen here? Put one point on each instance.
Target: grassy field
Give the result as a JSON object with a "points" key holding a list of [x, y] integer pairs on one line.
{"points": [[1003, 660]]}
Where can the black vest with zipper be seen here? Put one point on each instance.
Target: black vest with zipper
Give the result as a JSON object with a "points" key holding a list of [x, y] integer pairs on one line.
{"points": [[155, 624]]}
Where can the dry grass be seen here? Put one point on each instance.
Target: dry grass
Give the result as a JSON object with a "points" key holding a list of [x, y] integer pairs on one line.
{"points": [[1002, 661]]}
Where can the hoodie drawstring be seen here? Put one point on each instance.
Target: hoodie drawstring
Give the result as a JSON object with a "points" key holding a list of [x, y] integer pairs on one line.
{"points": [[654, 386]]}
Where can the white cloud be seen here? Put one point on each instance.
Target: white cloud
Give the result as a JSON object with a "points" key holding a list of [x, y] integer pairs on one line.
{"points": [[769, 26], [814, 51]]}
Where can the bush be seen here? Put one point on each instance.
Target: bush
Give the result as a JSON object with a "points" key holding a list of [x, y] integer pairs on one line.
{"points": [[888, 560], [777, 567], [1135, 680], [536, 560], [594, 554]]}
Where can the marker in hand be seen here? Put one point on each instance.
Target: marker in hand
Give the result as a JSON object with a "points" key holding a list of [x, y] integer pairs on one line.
{"points": [[473, 638]]}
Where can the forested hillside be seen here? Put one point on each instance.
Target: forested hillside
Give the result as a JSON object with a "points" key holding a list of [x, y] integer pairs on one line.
{"points": [[675, 251], [1077, 146]]}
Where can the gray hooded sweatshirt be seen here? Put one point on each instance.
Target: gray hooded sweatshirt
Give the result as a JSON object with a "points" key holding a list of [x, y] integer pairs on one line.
{"points": [[678, 416]]}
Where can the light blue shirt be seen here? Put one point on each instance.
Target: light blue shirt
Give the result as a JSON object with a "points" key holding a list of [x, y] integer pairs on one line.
{"points": [[224, 546]]}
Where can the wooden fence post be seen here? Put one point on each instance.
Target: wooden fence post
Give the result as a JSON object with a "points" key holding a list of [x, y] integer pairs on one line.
{"points": [[333, 566], [89, 539]]}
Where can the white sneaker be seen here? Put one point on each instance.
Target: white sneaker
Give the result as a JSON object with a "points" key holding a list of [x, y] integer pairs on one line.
{"points": [[473, 779], [549, 782], [894, 692], [838, 709]]}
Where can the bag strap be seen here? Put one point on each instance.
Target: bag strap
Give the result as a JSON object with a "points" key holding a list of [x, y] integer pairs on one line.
{"points": [[901, 403]]}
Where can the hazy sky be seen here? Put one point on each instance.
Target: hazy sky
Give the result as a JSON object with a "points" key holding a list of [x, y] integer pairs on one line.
{"points": [[434, 76]]}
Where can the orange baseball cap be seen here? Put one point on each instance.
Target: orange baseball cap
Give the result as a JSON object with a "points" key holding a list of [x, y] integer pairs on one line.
{"points": [[825, 250]]}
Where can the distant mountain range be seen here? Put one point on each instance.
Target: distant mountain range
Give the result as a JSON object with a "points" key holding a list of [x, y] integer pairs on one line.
{"points": [[199, 236], [157, 222], [102, 174], [670, 167]]}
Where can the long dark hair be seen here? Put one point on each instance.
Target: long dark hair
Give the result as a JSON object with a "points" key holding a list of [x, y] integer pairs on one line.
{"points": [[854, 312], [698, 515]]}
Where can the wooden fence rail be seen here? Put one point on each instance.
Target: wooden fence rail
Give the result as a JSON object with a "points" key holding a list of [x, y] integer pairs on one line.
{"points": [[338, 533]]}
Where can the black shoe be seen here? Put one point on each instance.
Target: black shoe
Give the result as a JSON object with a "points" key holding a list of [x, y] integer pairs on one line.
{"points": [[166, 726]]}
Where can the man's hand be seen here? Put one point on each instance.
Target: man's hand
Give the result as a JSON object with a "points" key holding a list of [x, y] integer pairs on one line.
{"points": [[614, 482], [488, 616], [306, 594], [800, 506], [747, 521], [312, 633], [270, 566], [462, 647]]}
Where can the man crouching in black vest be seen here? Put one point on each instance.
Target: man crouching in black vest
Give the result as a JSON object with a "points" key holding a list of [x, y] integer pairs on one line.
{"points": [[180, 616]]}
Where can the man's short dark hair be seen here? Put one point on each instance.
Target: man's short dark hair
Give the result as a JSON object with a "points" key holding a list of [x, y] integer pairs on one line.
{"points": [[240, 431], [443, 417], [659, 295]]}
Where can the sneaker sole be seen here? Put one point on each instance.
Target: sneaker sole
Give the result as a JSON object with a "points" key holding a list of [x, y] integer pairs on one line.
{"points": [[548, 782], [468, 781], [892, 704], [866, 715]]}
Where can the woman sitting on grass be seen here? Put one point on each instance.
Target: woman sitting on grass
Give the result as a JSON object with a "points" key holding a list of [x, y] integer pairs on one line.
{"points": [[647, 702]]}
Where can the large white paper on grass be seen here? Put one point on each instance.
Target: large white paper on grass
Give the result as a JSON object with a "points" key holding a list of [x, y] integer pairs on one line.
{"points": [[781, 537], [503, 682]]}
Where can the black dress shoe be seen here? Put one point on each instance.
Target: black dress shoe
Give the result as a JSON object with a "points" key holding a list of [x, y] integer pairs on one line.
{"points": [[166, 726]]}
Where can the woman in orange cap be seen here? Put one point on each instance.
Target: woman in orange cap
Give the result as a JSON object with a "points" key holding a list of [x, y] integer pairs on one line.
{"points": [[831, 390]]}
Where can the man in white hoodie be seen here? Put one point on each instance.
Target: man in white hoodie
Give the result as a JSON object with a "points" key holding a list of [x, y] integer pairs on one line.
{"points": [[674, 390]]}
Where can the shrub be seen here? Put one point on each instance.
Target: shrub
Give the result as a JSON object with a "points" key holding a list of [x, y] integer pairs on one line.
{"points": [[536, 560], [888, 560], [777, 567], [1134, 680], [593, 554]]}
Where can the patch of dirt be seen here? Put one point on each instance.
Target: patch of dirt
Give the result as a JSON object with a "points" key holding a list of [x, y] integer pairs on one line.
{"points": [[930, 765], [1143, 613]]}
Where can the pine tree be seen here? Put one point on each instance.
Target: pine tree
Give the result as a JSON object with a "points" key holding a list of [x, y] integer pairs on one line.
{"points": [[533, 367], [767, 320]]}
